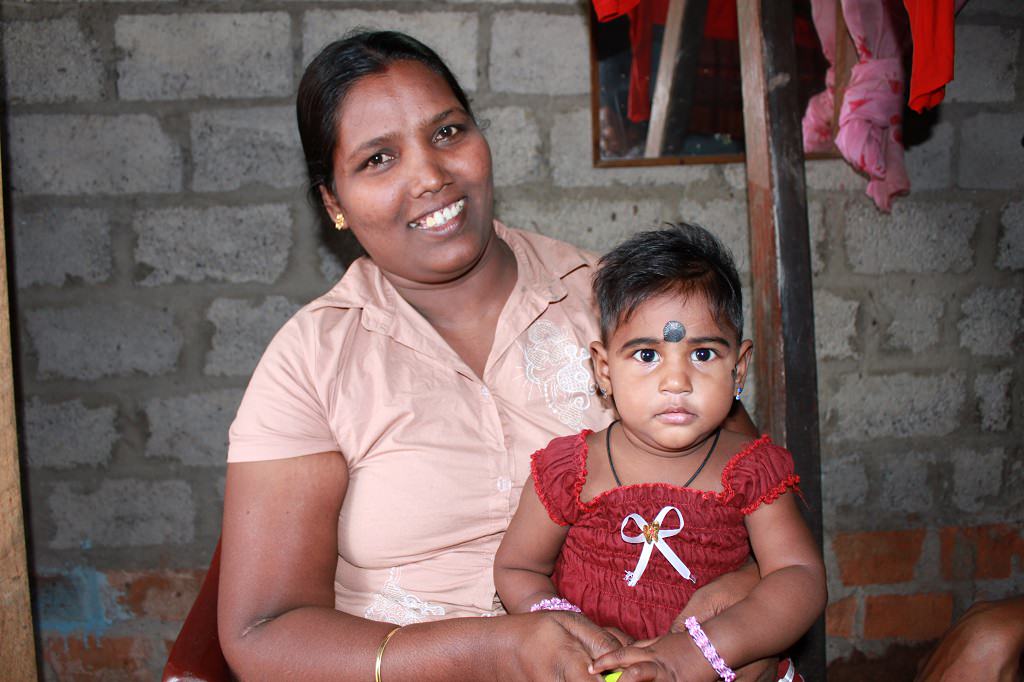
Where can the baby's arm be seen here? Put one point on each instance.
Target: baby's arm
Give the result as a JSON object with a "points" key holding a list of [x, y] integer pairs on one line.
{"points": [[526, 557], [792, 592], [777, 612]]}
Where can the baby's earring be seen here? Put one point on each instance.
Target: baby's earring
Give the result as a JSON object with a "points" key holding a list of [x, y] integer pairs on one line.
{"points": [[601, 392], [339, 222], [739, 392]]}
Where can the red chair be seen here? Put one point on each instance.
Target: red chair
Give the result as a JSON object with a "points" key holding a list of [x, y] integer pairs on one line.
{"points": [[196, 654]]}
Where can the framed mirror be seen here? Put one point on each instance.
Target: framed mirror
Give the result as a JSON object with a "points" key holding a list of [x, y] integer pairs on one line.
{"points": [[666, 79]]}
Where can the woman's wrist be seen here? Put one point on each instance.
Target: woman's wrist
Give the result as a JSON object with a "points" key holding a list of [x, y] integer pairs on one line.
{"points": [[379, 662], [458, 648]]}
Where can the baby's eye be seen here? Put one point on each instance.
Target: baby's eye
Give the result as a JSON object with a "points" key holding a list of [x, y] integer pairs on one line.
{"points": [[446, 133], [647, 355], [703, 355]]}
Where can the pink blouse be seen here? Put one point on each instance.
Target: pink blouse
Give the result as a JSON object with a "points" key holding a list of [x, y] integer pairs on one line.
{"points": [[436, 455]]}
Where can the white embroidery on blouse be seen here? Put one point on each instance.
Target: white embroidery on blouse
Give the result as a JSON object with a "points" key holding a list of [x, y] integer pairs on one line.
{"points": [[558, 366], [394, 605]]}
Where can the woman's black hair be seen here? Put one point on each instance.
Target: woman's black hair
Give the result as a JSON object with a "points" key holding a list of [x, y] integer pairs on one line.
{"points": [[330, 76], [682, 259]]}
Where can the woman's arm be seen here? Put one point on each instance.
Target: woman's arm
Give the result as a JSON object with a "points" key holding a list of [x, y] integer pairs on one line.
{"points": [[526, 557], [986, 644], [780, 608], [276, 612]]}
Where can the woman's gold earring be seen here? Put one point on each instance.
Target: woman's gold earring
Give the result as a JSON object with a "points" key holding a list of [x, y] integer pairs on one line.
{"points": [[339, 222]]}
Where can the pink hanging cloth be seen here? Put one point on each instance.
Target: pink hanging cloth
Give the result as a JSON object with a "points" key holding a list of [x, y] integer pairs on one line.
{"points": [[870, 133], [817, 123], [871, 117]]}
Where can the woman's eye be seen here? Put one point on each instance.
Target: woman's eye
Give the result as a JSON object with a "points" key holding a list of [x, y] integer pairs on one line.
{"points": [[379, 159], [647, 355], [446, 133], [702, 355]]}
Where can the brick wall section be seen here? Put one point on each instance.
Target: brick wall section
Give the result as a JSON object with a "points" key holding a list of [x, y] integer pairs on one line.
{"points": [[877, 558], [160, 235], [907, 617], [989, 552]]}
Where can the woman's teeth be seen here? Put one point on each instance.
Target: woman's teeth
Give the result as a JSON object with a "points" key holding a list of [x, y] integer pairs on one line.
{"points": [[438, 218]]}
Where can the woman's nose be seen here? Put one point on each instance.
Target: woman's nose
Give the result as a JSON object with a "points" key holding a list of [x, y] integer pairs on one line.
{"points": [[427, 174]]}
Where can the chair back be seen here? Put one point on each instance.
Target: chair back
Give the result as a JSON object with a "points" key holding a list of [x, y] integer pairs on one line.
{"points": [[196, 654]]}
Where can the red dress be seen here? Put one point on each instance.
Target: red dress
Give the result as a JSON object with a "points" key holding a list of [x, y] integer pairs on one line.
{"points": [[596, 561]]}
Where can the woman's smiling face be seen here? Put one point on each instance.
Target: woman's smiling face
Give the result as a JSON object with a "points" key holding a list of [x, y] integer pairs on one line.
{"points": [[412, 176]]}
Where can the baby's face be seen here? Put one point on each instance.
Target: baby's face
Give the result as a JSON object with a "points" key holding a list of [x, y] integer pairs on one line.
{"points": [[673, 372]]}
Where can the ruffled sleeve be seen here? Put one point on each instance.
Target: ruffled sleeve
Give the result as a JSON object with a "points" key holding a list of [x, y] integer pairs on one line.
{"points": [[758, 474], [558, 474]]}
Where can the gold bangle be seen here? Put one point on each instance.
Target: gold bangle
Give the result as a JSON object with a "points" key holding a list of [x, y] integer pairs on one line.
{"points": [[380, 652]]}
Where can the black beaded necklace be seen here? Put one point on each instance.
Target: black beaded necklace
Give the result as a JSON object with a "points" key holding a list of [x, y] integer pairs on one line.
{"points": [[608, 446]]}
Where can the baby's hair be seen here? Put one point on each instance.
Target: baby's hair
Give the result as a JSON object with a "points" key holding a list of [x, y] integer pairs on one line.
{"points": [[683, 259]]}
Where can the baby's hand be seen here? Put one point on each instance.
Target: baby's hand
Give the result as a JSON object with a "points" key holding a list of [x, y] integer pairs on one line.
{"points": [[667, 658]]}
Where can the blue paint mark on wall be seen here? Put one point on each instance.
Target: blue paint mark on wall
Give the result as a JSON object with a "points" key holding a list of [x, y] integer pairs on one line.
{"points": [[76, 601]]}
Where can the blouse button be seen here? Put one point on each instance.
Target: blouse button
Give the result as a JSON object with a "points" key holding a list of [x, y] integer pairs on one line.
{"points": [[485, 392], [504, 484]]}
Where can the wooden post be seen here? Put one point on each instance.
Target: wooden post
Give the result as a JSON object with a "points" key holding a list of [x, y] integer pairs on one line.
{"points": [[17, 647], [786, 372]]}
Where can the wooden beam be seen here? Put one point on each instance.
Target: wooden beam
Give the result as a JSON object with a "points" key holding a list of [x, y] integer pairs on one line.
{"points": [[785, 367], [17, 646], [677, 75], [666, 74], [684, 83], [845, 58]]}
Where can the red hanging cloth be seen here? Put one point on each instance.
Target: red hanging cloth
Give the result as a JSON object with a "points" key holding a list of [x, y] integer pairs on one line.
{"points": [[931, 28], [720, 23]]}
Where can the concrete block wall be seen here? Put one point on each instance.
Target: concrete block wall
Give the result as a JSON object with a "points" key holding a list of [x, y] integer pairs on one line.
{"points": [[160, 234]]}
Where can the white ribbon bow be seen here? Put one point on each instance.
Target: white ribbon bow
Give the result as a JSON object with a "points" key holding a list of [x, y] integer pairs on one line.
{"points": [[652, 535]]}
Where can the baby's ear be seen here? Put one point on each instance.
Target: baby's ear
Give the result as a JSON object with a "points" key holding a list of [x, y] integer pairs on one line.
{"points": [[743, 358], [599, 356]]}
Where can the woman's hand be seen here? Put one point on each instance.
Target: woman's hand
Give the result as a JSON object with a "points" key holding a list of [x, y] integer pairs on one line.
{"points": [[555, 645], [984, 645]]}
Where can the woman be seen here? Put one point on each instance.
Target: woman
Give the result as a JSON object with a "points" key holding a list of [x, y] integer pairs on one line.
{"points": [[384, 438]]}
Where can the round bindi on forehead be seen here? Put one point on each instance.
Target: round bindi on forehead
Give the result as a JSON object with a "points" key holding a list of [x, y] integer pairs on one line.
{"points": [[674, 331]]}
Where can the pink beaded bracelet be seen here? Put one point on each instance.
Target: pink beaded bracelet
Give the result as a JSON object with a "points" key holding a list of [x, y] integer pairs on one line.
{"points": [[555, 604], [708, 649]]}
